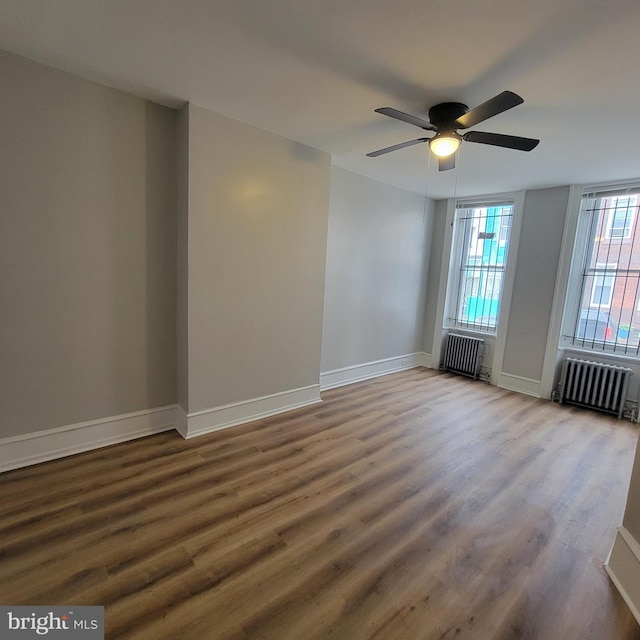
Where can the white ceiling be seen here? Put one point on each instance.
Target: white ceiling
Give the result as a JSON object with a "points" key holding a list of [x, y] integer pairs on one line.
{"points": [[315, 70]]}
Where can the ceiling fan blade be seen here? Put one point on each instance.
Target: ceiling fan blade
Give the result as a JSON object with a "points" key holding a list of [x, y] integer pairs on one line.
{"points": [[501, 140], [445, 164], [502, 102], [395, 147], [405, 117]]}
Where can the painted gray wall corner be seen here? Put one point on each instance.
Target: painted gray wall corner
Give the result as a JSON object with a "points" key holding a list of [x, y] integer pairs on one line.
{"points": [[377, 257], [257, 227], [87, 250], [436, 245], [536, 269]]}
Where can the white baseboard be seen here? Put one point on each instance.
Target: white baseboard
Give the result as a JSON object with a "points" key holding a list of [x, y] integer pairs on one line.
{"points": [[198, 423], [520, 384], [40, 446], [182, 421], [623, 567], [367, 370]]}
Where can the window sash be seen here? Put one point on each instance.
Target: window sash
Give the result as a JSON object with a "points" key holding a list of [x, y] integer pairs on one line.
{"points": [[620, 218], [603, 279], [482, 239]]}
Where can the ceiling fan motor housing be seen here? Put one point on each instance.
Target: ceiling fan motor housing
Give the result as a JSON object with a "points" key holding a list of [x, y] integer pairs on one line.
{"points": [[445, 114]]}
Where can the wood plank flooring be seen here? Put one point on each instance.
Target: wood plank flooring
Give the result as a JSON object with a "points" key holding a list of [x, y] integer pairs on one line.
{"points": [[414, 506]]}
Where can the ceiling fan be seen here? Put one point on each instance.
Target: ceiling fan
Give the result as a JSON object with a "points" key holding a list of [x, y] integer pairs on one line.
{"points": [[447, 117]]}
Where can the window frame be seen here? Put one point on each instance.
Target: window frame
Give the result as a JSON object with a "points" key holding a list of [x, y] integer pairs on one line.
{"points": [[459, 262], [585, 234], [629, 221], [605, 267]]}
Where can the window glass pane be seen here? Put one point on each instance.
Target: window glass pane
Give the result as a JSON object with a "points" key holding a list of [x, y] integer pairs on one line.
{"points": [[482, 233], [602, 285], [620, 215]]}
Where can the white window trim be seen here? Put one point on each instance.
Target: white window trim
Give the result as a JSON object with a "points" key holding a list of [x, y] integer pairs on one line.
{"points": [[599, 303], [457, 257], [628, 225]]}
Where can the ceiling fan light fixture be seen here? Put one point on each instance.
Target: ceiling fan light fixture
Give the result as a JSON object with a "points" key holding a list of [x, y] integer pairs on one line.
{"points": [[444, 144]]}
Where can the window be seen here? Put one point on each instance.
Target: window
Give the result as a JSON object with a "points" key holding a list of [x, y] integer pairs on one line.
{"points": [[620, 215], [602, 309], [602, 284], [481, 241]]}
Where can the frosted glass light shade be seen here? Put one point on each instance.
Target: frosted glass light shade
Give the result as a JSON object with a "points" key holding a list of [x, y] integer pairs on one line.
{"points": [[444, 145]]}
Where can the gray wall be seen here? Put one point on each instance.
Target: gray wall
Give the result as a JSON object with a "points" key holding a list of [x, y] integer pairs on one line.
{"points": [[88, 259], [377, 253], [535, 278], [623, 563], [435, 269], [256, 244], [87, 250], [632, 512]]}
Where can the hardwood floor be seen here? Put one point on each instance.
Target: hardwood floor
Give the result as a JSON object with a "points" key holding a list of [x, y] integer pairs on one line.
{"points": [[415, 506]]}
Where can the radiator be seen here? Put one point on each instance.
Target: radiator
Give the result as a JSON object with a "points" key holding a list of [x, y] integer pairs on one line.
{"points": [[595, 385], [463, 355]]}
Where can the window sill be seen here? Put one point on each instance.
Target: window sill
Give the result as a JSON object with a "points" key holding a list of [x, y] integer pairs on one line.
{"points": [[603, 353], [475, 330]]}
